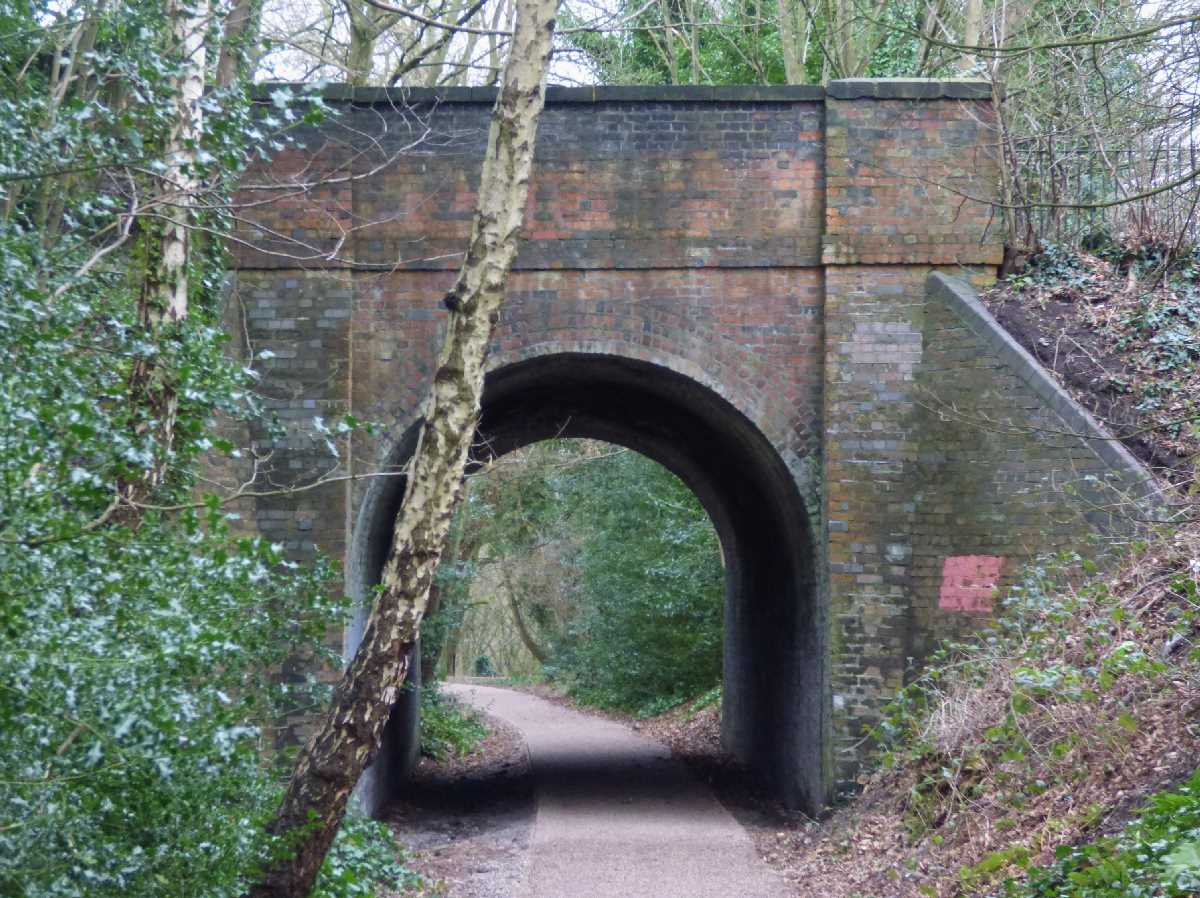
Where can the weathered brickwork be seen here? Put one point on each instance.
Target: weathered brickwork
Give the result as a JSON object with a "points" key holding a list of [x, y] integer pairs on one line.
{"points": [[1000, 444], [300, 321], [900, 160], [899, 178], [617, 185], [750, 335], [762, 255]]}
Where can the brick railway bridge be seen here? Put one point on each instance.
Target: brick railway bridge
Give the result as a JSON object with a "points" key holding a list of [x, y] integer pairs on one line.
{"points": [[766, 290]]}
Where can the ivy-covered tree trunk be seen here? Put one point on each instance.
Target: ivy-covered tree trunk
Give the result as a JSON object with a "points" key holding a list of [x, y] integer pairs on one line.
{"points": [[348, 738], [163, 301]]}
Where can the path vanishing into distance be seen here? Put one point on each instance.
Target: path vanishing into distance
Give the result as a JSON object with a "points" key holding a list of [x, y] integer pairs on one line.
{"points": [[616, 815]]}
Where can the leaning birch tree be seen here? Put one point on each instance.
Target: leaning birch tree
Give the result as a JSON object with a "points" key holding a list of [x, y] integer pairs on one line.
{"points": [[349, 736]]}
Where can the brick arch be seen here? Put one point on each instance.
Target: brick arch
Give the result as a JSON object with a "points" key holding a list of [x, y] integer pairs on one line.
{"points": [[775, 716], [767, 410], [751, 335]]}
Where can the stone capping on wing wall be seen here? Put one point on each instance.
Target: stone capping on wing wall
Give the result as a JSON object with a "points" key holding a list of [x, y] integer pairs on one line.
{"points": [[964, 301], [849, 89]]}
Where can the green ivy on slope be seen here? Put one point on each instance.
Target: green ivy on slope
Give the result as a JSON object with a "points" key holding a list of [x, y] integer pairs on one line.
{"points": [[1157, 855]]}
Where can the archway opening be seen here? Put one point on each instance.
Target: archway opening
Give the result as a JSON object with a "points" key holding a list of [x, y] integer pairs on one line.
{"points": [[583, 566], [775, 671]]}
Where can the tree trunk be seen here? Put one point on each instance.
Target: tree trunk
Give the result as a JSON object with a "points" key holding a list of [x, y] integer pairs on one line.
{"points": [[929, 26], [241, 26], [793, 42], [972, 27], [668, 41], [364, 32], [430, 657], [510, 593], [450, 652], [348, 738], [163, 302]]}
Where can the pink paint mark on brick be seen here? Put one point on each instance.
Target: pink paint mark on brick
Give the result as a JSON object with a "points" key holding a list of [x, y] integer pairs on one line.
{"points": [[969, 582]]}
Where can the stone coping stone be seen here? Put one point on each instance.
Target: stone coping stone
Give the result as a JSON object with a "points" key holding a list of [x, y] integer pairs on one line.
{"points": [[964, 301], [910, 89], [851, 89]]}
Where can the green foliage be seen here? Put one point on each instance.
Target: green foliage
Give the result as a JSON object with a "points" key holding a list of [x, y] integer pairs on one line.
{"points": [[130, 708], [727, 53], [738, 43], [1055, 265], [1162, 336], [139, 651], [997, 861], [447, 728], [1136, 307], [896, 53], [710, 699], [365, 858], [635, 619], [1157, 855], [1029, 637], [647, 634]]}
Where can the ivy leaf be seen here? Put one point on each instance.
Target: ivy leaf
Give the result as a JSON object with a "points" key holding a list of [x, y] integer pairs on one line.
{"points": [[1184, 859]]}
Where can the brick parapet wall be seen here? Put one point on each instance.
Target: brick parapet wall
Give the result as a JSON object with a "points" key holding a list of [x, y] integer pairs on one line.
{"points": [[907, 182], [621, 184]]}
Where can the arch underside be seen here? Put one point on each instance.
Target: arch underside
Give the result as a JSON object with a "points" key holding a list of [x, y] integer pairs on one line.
{"points": [[774, 712]]}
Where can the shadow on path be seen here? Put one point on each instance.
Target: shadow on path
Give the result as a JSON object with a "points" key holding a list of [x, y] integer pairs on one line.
{"points": [[616, 816]]}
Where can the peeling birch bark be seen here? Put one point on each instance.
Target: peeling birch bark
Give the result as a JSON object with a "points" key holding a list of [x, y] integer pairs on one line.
{"points": [[349, 736], [164, 291]]}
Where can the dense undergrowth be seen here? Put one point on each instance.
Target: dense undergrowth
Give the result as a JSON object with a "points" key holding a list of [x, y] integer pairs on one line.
{"points": [[447, 728], [141, 640], [1156, 854]]}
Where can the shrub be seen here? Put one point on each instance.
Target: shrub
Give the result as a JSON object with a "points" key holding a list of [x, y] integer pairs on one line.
{"points": [[447, 729]]}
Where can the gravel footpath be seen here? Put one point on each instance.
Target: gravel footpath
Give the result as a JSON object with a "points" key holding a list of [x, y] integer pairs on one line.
{"points": [[616, 816], [467, 821]]}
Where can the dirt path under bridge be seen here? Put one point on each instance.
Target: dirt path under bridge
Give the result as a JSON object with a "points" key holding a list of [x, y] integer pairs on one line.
{"points": [[585, 808]]}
